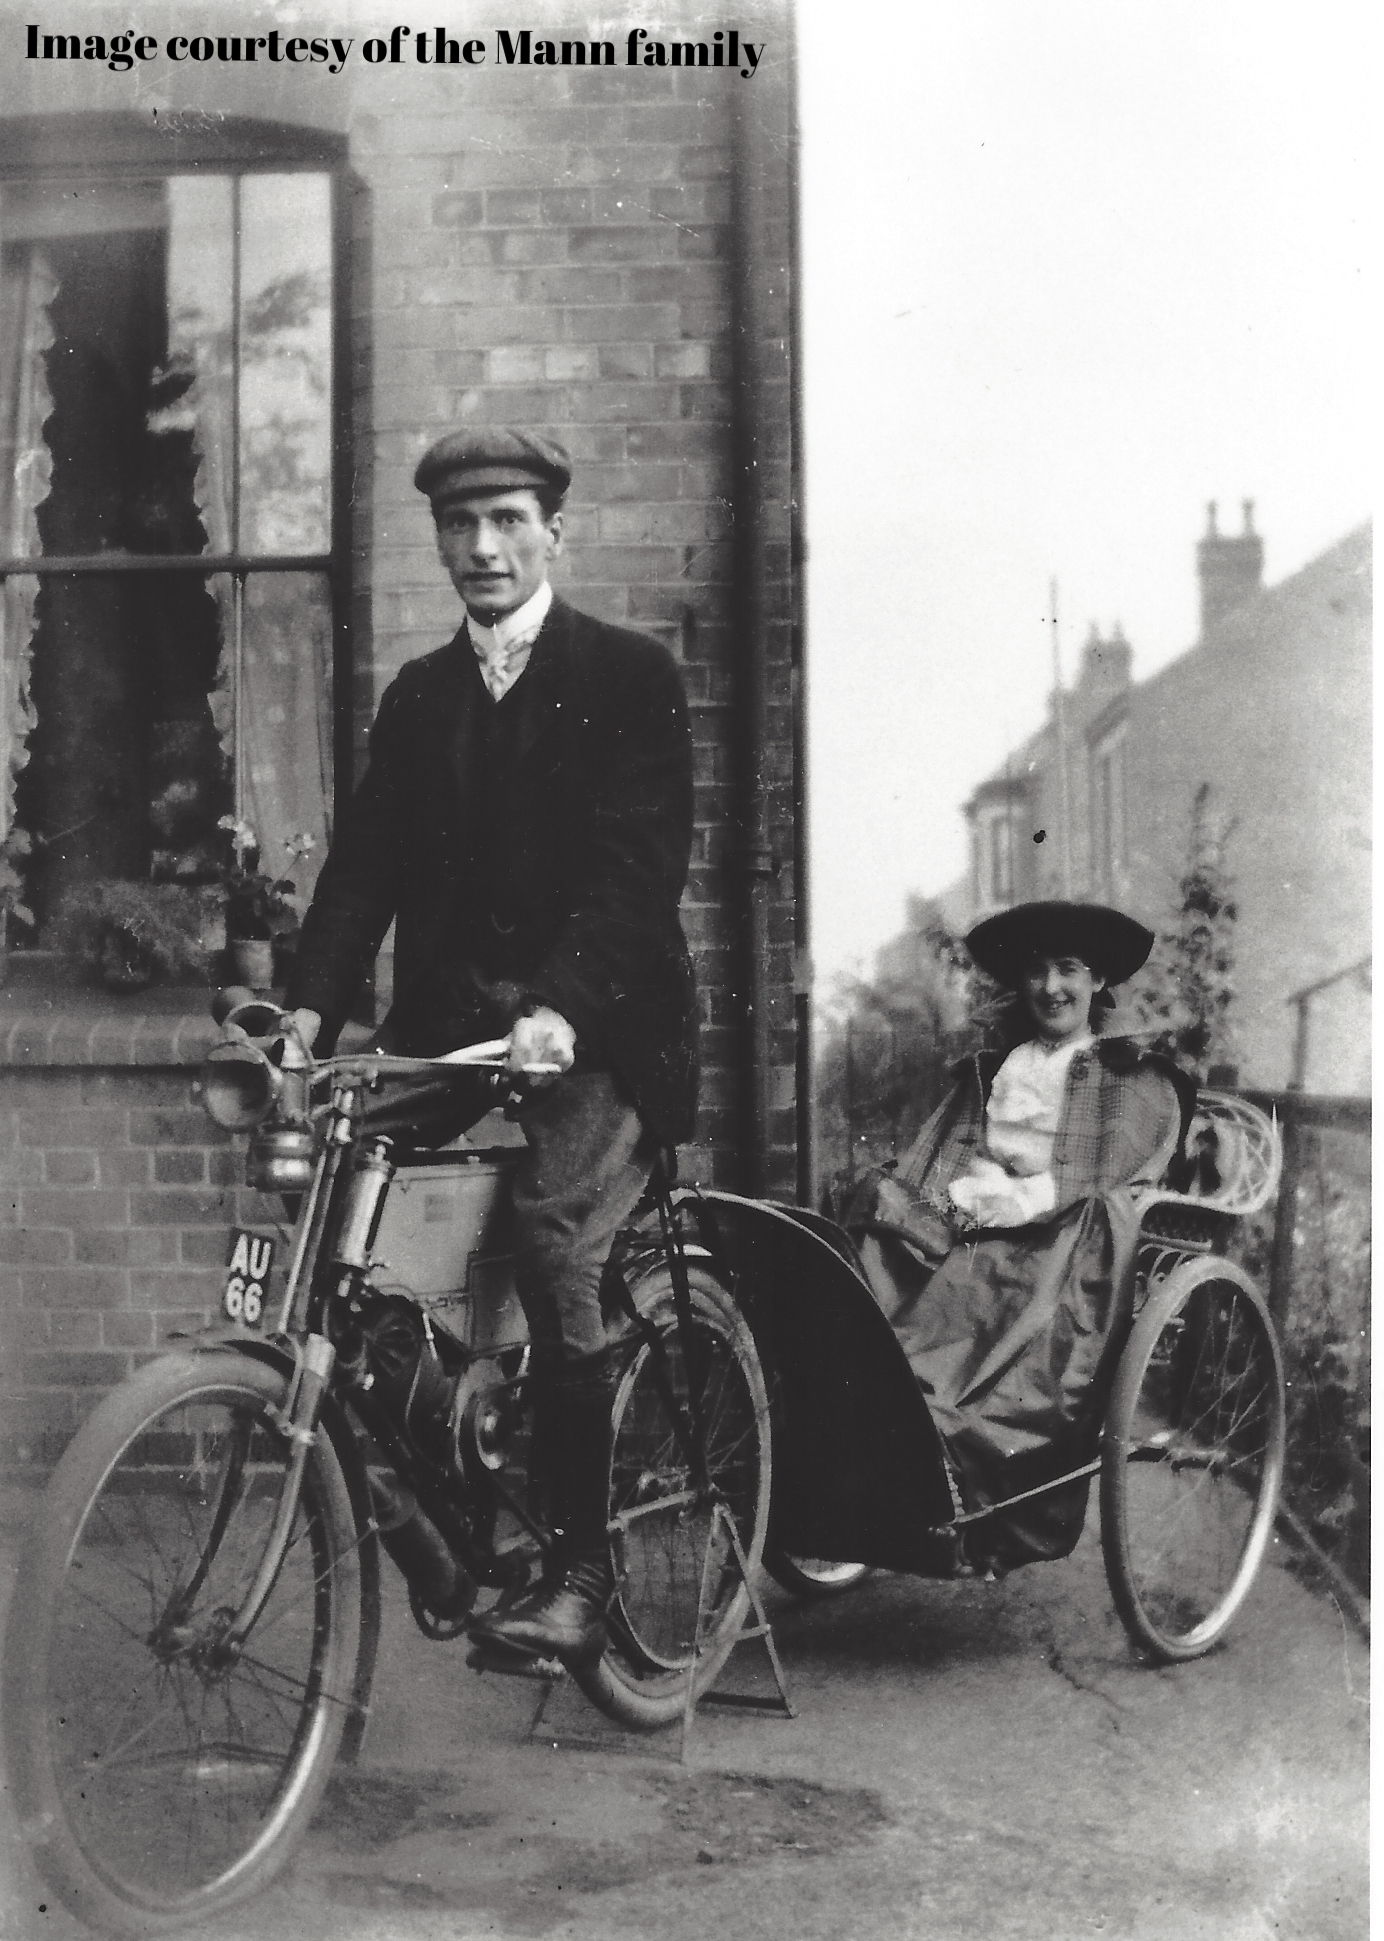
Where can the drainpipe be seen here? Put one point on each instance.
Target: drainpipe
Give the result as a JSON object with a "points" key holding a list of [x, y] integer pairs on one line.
{"points": [[752, 861], [804, 1090]]}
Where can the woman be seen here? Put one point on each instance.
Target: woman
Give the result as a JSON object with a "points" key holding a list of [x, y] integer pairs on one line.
{"points": [[1002, 1249]]}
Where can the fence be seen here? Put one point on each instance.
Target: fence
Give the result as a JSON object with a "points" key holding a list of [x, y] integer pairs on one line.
{"points": [[1315, 1251]]}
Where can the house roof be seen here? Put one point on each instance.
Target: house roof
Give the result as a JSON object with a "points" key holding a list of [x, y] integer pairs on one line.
{"points": [[1325, 598]]}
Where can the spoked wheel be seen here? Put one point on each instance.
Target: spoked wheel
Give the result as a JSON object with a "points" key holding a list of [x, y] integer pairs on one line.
{"points": [[1192, 1459], [813, 1576], [661, 1524], [160, 1772]]}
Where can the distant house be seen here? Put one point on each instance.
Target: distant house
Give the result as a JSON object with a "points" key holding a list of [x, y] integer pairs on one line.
{"points": [[1271, 711]]}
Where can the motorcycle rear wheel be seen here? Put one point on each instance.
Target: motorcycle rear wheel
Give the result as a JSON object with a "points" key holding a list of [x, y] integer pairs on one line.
{"points": [[660, 1552]]}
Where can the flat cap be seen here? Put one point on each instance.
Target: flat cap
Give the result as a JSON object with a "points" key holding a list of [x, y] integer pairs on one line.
{"points": [[1108, 942], [491, 458]]}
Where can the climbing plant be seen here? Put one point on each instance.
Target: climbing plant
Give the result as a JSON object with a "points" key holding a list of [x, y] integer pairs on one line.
{"points": [[1184, 995]]}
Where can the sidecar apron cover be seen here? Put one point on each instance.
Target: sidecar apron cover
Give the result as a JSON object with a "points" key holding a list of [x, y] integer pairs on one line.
{"points": [[859, 1473]]}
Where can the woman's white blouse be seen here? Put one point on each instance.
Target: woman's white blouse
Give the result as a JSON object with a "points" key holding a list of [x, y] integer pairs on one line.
{"points": [[1012, 1183]]}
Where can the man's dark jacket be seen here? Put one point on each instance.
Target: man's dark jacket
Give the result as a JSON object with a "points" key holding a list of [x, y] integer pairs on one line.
{"points": [[532, 851]]}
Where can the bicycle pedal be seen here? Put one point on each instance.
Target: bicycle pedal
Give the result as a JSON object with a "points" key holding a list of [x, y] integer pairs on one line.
{"points": [[514, 1664]]}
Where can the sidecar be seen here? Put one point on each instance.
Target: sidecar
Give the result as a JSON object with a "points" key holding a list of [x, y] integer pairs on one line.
{"points": [[1189, 1449]]}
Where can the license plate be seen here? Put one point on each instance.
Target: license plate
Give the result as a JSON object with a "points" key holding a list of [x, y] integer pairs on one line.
{"points": [[248, 1266]]}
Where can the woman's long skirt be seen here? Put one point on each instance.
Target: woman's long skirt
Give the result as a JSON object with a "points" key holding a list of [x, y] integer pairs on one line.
{"points": [[1014, 1338]]}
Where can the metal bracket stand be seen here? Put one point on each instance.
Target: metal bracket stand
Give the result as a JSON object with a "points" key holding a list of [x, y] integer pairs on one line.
{"points": [[550, 1675], [779, 1706]]}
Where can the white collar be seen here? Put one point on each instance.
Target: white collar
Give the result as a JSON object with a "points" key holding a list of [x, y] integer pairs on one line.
{"points": [[526, 619], [1068, 1047]]}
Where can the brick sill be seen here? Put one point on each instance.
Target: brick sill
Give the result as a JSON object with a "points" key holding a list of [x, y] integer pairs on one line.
{"points": [[52, 1013]]}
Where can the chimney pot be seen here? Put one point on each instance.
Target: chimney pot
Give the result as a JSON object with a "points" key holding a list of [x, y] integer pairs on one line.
{"points": [[1230, 569]]}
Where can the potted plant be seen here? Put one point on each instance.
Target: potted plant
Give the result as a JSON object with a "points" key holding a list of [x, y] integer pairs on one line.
{"points": [[262, 911], [136, 931], [13, 850]]}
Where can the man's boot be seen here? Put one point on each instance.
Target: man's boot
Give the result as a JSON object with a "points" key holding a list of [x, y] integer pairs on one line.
{"points": [[563, 1616]]}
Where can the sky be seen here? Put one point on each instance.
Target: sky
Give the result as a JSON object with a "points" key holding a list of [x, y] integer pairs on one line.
{"points": [[1070, 271]]}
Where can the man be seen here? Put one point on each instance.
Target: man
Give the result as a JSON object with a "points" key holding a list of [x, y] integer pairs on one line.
{"points": [[526, 820]]}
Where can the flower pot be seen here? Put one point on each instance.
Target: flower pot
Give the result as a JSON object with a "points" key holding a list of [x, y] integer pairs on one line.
{"points": [[253, 958]]}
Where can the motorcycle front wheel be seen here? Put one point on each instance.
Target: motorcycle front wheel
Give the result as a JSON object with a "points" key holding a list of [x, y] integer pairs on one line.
{"points": [[161, 1771]]}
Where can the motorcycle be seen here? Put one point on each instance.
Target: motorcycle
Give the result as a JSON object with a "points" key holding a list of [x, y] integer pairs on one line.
{"points": [[194, 1635]]}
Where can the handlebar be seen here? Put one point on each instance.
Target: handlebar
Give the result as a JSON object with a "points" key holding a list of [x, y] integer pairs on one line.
{"points": [[243, 1015]]}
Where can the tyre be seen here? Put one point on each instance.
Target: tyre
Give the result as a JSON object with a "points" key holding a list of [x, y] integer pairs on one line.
{"points": [[813, 1576], [158, 1776], [1192, 1459], [661, 1549]]}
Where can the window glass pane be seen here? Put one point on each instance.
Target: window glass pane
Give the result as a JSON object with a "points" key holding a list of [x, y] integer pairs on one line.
{"points": [[1118, 849], [1108, 811], [286, 725], [17, 597], [1001, 861], [1101, 820], [126, 775], [200, 379], [85, 331], [27, 287], [286, 364], [115, 374]]}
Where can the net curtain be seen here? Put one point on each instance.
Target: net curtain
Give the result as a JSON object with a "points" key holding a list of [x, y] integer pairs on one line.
{"points": [[284, 687], [27, 287]]}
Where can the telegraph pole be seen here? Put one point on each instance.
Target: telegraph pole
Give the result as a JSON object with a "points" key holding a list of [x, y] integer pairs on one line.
{"points": [[1059, 709]]}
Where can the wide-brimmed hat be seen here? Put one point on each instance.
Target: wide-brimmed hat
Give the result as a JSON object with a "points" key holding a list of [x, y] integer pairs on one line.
{"points": [[1113, 945], [492, 458]]}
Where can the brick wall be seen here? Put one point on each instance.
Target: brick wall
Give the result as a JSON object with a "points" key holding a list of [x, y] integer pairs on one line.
{"points": [[116, 1191]]}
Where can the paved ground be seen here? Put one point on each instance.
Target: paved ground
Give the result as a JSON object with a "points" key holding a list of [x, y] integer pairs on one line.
{"points": [[968, 1760]]}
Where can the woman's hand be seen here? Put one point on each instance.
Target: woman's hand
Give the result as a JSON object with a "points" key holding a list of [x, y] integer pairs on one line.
{"points": [[988, 1206], [993, 1199]]}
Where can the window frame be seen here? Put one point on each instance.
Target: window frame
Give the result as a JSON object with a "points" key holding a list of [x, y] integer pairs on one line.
{"points": [[1000, 800], [996, 822], [111, 148]]}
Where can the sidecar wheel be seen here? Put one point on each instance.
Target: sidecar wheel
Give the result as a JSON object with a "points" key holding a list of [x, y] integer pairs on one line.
{"points": [[1192, 1459], [818, 1577]]}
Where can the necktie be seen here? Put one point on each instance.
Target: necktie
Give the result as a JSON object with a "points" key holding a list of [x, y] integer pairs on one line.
{"points": [[501, 660]]}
